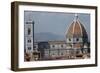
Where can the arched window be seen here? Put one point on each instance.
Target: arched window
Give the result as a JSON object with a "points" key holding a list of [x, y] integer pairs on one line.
{"points": [[29, 31], [53, 46], [69, 39], [77, 39], [29, 48], [62, 46], [29, 41]]}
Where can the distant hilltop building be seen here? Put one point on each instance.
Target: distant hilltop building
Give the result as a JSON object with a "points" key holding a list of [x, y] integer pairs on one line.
{"points": [[76, 45]]}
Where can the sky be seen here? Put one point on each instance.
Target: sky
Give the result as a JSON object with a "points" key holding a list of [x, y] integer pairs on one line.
{"points": [[55, 22]]}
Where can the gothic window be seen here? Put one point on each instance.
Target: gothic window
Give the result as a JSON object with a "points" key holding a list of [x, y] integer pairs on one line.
{"points": [[29, 31], [29, 41], [29, 48]]}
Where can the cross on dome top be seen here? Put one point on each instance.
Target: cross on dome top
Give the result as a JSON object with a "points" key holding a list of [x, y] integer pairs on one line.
{"points": [[76, 17]]}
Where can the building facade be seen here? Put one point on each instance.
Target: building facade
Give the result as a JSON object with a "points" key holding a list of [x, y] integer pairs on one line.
{"points": [[52, 49], [75, 46], [77, 39]]}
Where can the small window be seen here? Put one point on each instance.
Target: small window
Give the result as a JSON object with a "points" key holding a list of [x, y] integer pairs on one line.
{"points": [[69, 39], [62, 46], [29, 31], [29, 41], [29, 48], [53, 46], [77, 39]]}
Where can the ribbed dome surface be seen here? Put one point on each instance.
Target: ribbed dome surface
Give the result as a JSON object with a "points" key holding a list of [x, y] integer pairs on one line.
{"points": [[76, 29]]}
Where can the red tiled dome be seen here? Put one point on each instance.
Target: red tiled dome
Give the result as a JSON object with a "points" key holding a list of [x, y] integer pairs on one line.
{"points": [[76, 29]]}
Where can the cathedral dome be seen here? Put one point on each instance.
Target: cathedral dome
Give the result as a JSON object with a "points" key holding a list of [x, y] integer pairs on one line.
{"points": [[76, 29]]}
